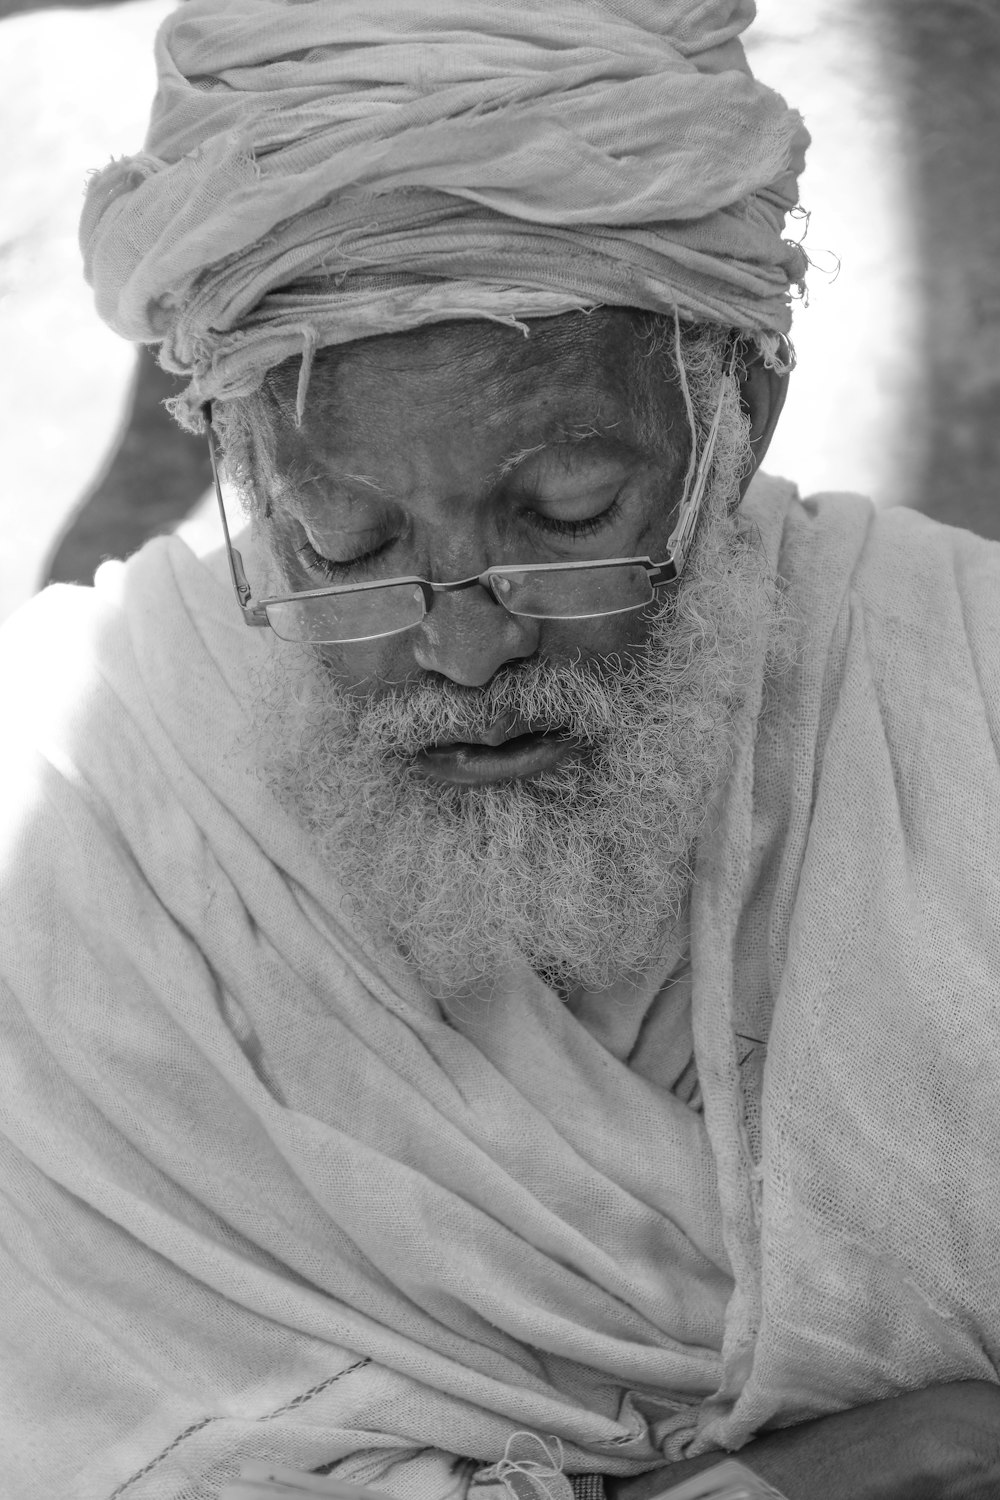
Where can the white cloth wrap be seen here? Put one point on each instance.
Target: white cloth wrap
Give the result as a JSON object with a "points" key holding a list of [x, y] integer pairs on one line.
{"points": [[315, 173], [260, 1200]]}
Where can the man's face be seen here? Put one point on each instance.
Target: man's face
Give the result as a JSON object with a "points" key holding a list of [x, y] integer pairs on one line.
{"points": [[468, 840], [441, 458]]}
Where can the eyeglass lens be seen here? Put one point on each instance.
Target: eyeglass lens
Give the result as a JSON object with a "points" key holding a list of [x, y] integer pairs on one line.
{"points": [[367, 614]]}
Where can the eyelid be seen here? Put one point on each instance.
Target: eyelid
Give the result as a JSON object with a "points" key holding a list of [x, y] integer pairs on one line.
{"points": [[354, 534], [585, 526], [334, 572], [375, 535]]}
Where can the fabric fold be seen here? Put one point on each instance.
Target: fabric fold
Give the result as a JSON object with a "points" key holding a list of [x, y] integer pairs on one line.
{"points": [[245, 1158], [503, 163]]}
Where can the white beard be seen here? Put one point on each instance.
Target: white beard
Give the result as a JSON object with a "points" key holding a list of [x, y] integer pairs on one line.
{"points": [[582, 871]]}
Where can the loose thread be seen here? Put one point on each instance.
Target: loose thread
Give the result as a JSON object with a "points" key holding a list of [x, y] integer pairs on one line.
{"points": [[308, 354], [688, 404], [532, 1469]]}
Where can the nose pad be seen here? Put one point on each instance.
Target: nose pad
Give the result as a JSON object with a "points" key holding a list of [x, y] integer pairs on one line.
{"points": [[467, 636]]}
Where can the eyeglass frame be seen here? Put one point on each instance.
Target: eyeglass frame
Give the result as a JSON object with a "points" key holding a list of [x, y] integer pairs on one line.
{"points": [[659, 574]]}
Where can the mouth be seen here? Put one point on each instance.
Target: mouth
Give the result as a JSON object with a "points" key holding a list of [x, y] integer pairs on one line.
{"points": [[498, 757]]}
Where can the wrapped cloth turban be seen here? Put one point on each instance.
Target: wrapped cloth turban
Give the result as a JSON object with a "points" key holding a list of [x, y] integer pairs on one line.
{"points": [[325, 170]]}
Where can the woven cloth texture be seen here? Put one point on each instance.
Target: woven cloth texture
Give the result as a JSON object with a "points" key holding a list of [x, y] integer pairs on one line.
{"points": [[263, 1200], [317, 173]]}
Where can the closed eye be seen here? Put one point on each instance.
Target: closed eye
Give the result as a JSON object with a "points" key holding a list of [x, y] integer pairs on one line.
{"points": [[336, 572], [588, 526], [343, 572]]}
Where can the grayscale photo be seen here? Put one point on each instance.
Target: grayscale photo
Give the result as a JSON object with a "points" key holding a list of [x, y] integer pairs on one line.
{"points": [[500, 814]]}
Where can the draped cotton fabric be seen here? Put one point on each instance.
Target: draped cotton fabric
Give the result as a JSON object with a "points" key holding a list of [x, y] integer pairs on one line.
{"points": [[324, 171], [263, 1199]]}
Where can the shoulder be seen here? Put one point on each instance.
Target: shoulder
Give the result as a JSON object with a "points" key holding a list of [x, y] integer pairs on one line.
{"points": [[159, 627], [121, 700], [892, 581], [894, 561]]}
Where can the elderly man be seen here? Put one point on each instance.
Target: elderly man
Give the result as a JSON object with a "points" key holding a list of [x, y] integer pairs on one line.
{"points": [[523, 1014]]}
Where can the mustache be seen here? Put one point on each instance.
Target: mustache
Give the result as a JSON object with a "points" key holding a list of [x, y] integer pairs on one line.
{"points": [[579, 699]]}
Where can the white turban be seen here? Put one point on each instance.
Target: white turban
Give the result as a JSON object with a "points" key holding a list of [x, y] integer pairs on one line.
{"points": [[325, 170]]}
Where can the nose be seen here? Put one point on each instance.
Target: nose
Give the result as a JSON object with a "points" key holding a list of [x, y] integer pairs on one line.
{"points": [[467, 637]]}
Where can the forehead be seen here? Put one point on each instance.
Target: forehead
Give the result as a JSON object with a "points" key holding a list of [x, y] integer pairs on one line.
{"points": [[551, 351], [482, 384]]}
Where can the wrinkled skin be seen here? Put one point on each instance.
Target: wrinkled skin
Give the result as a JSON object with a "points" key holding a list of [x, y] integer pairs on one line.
{"points": [[455, 416], [588, 749]]}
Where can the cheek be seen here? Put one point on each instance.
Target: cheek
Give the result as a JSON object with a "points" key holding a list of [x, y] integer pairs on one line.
{"points": [[604, 636], [364, 669]]}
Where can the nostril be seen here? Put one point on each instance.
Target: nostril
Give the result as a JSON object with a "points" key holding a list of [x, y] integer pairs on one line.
{"points": [[471, 650]]}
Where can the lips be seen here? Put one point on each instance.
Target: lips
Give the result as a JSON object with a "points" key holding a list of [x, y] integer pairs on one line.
{"points": [[510, 751], [472, 749], [501, 732]]}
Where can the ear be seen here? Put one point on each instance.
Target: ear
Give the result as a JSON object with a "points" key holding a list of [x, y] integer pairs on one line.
{"points": [[762, 394]]}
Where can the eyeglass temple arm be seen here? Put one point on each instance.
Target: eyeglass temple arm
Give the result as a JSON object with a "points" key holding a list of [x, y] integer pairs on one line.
{"points": [[252, 613]]}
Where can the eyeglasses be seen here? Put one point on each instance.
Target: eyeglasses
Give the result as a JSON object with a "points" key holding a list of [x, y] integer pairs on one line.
{"points": [[537, 591]]}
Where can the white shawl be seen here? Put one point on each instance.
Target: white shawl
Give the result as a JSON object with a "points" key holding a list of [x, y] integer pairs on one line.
{"points": [[262, 1200]]}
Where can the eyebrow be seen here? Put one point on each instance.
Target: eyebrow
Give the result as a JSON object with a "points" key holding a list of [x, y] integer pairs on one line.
{"points": [[303, 475], [560, 436]]}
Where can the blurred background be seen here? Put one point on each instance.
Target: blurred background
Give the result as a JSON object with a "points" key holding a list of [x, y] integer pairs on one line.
{"points": [[897, 393]]}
